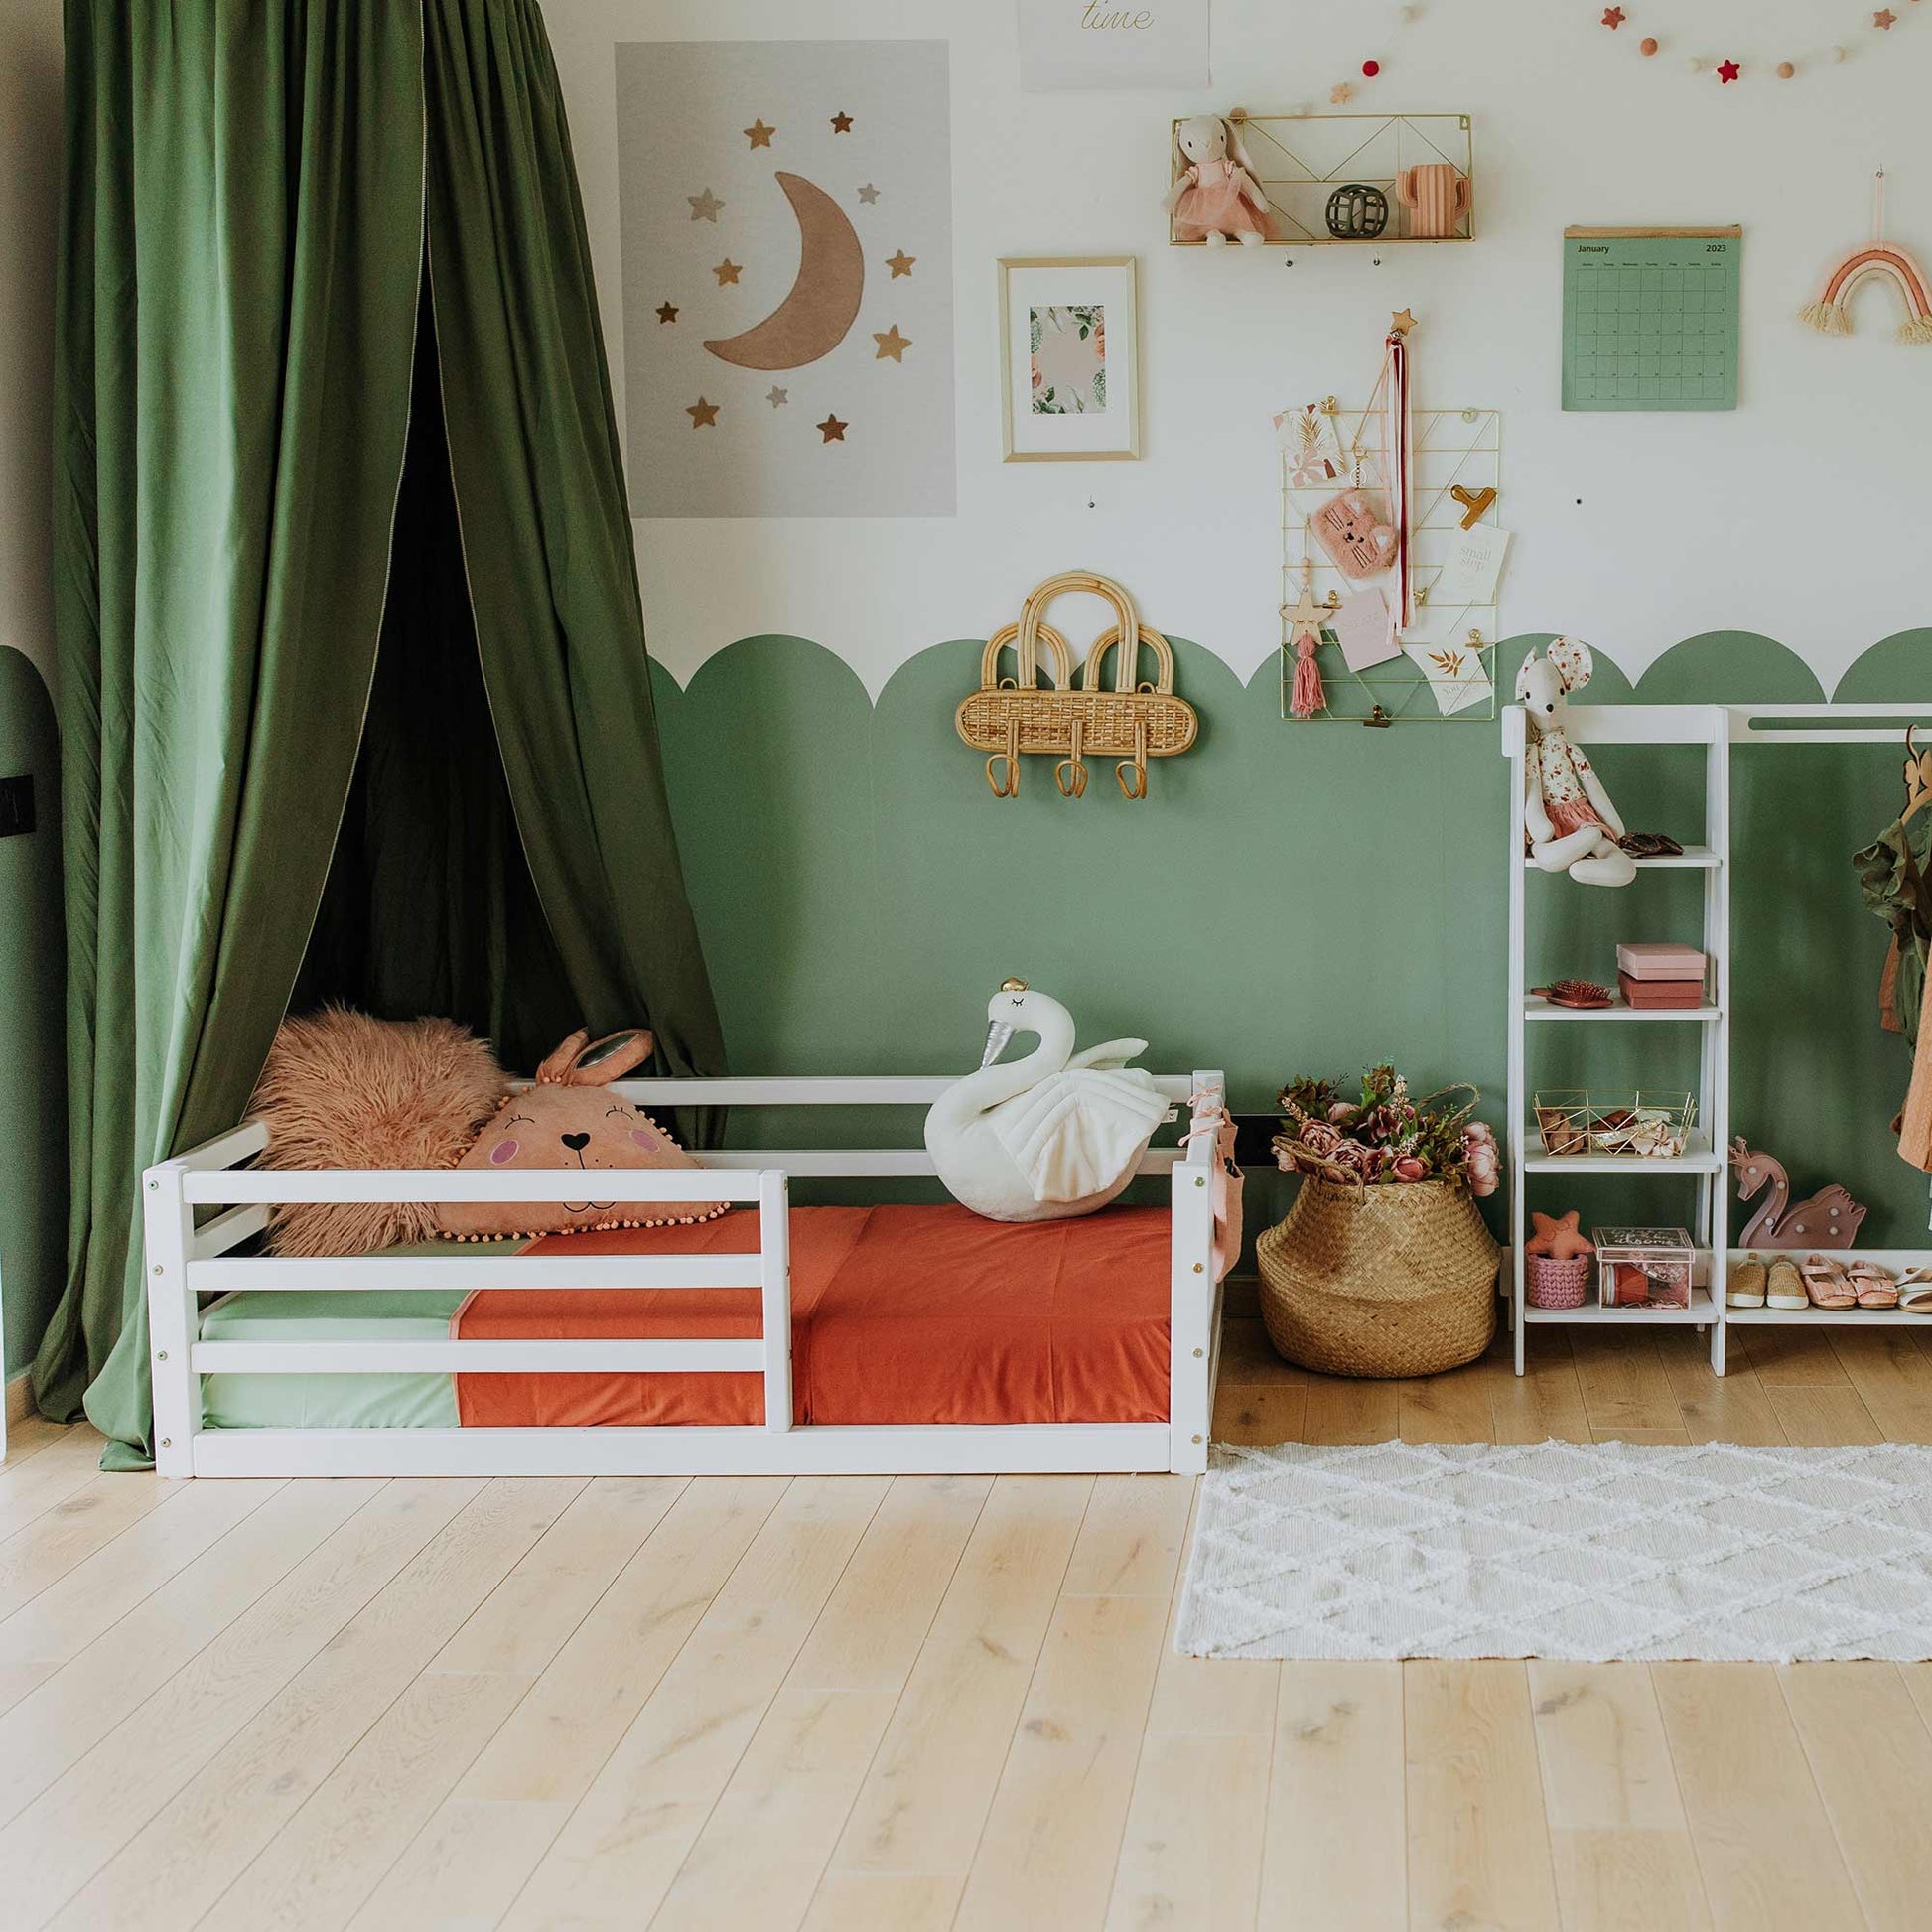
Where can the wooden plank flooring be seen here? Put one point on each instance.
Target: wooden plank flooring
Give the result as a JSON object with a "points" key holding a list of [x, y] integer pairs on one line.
{"points": [[923, 1704]]}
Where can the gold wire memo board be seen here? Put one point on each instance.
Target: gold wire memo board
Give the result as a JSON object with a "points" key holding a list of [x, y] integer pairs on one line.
{"points": [[1428, 682]]}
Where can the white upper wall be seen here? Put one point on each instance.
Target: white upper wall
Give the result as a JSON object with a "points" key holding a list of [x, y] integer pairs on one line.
{"points": [[1802, 515]]}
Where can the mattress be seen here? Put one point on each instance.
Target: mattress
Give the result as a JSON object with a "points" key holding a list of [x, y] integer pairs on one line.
{"points": [[331, 1401], [900, 1315], [416, 1401]]}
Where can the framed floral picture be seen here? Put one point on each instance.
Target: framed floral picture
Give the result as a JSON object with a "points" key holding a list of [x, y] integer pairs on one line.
{"points": [[1069, 359]]}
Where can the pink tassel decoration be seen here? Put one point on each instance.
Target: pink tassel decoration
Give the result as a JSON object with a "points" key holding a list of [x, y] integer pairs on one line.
{"points": [[1306, 697]]}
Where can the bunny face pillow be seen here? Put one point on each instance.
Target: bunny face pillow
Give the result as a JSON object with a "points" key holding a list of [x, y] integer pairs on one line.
{"points": [[1569, 822], [570, 1118]]}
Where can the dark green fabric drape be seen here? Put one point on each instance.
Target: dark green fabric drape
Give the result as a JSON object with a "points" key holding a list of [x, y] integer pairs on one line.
{"points": [[430, 907], [252, 188], [546, 530]]}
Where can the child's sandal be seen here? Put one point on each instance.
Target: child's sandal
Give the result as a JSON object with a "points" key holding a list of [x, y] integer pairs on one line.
{"points": [[1875, 1287], [1827, 1283], [1915, 1291]]}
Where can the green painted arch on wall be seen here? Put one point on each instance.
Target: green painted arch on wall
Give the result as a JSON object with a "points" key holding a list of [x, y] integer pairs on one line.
{"points": [[1288, 896]]}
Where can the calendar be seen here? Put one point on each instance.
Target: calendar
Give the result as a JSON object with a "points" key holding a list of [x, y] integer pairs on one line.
{"points": [[1650, 318]]}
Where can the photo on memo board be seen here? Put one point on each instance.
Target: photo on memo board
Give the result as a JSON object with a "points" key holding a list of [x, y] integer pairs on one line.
{"points": [[1069, 359]]}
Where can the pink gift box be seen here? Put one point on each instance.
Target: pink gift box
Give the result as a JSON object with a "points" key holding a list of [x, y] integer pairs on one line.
{"points": [[1661, 962]]}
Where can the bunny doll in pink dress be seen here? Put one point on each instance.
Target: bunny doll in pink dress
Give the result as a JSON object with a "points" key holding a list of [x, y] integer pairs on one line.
{"points": [[1216, 195]]}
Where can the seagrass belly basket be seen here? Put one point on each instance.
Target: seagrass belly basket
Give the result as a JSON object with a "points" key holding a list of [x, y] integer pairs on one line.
{"points": [[1132, 721], [1379, 1281]]}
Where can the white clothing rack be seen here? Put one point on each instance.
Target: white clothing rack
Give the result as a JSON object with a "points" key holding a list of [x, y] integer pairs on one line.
{"points": [[1714, 729]]}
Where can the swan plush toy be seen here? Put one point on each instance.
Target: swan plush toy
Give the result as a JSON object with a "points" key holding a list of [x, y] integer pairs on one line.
{"points": [[1050, 1136]]}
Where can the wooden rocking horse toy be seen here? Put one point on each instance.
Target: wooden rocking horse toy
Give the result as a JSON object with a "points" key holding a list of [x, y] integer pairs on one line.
{"points": [[1829, 1218]]}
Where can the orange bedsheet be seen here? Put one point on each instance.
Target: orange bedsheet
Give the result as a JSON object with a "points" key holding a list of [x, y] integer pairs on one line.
{"points": [[899, 1315]]}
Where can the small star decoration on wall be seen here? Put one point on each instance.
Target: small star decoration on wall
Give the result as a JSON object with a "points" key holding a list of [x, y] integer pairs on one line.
{"points": [[901, 264], [841, 123], [832, 430], [704, 415], [705, 207], [778, 397], [868, 194], [759, 134], [726, 271], [892, 344], [667, 312]]}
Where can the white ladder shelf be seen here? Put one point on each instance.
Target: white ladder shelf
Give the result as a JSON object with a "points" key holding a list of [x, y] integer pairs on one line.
{"points": [[1708, 729], [1712, 728]]}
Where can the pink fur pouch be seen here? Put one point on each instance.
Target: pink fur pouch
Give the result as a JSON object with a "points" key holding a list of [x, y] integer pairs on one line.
{"points": [[1351, 529]]}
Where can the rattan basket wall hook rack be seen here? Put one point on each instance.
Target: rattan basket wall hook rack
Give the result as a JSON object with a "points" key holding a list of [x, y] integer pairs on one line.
{"points": [[1014, 717]]}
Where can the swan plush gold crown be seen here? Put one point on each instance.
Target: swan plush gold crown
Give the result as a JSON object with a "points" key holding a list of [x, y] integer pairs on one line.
{"points": [[1012, 986]]}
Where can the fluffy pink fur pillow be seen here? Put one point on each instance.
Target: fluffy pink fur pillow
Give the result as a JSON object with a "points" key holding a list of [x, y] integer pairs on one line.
{"points": [[340, 1089]]}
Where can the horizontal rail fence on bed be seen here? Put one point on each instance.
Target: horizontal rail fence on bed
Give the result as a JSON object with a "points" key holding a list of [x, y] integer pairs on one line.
{"points": [[188, 1262]]}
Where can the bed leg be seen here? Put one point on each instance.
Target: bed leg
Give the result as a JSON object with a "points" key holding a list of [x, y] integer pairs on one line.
{"points": [[1190, 1310], [774, 1248], [169, 1227]]}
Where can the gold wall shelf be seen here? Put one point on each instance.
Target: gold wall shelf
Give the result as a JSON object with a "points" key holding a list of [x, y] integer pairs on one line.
{"points": [[1299, 160]]}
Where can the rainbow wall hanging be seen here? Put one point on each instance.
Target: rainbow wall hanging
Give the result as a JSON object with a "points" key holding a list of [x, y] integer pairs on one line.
{"points": [[1830, 314]]}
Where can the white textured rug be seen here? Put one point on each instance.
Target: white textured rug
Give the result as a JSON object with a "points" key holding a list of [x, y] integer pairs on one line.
{"points": [[1587, 1552]]}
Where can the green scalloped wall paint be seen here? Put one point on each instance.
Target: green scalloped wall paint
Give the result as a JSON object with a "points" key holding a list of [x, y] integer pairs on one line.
{"points": [[1288, 896]]}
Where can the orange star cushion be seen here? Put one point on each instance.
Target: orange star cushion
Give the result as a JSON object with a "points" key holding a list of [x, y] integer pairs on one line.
{"points": [[1559, 1239]]}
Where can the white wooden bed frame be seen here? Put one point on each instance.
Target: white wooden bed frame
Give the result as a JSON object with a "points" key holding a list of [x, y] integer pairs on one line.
{"points": [[187, 1262]]}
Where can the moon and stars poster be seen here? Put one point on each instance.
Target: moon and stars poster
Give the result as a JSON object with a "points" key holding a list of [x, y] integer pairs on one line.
{"points": [[786, 211]]}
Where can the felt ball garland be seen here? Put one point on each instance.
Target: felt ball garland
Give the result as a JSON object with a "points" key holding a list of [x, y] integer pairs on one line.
{"points": [[1730, 69]]}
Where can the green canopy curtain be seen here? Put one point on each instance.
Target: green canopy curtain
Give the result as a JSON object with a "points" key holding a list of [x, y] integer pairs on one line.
{"points": [[261, 193]]}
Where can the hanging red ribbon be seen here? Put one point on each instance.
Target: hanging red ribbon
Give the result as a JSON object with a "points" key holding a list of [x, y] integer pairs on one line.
{"points": [[1401, 466]]}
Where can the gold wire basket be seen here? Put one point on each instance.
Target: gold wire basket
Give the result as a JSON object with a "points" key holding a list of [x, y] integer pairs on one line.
{"points": [[1633, 1120]]}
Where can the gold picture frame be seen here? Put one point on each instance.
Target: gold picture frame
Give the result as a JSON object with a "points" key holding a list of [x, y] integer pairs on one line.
{"points": [[1076, 287]]}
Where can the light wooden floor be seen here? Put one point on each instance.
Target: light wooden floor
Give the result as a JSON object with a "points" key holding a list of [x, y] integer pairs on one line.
{"points": [[894, 1705]]}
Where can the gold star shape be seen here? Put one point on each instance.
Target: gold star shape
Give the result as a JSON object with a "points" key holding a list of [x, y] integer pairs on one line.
{"points": [[1340, 94], [704, 415], [868, 194], [1883, 20], [705, 207], [667, 312], [778, 397], [726, 271], [759, 134], [1401, 323], [901, 264], [841, 122], [1305, 613], [892, 344], [832, 430]]}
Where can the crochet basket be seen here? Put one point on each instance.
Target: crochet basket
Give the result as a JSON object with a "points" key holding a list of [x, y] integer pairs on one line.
{"points": [[1552, 1283], [1130, 720], [1379, 1282]]}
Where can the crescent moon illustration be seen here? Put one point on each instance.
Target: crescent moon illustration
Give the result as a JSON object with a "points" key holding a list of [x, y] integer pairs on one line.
{"points": [[824, 301]]}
